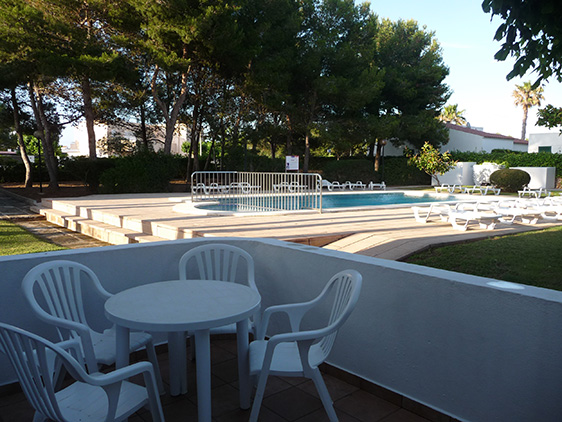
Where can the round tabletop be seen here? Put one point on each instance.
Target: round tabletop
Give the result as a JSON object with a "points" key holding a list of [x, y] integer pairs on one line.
{"points": [[182, 305]]}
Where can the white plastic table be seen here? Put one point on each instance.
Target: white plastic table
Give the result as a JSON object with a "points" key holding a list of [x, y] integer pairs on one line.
{"points": [[178, 306]]}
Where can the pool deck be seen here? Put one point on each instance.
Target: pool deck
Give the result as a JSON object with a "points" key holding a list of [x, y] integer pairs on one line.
{"points": [[389, 233]]}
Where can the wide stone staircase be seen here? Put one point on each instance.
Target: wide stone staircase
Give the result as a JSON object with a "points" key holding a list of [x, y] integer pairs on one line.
{"points": [[114, 224], [107, 227]]}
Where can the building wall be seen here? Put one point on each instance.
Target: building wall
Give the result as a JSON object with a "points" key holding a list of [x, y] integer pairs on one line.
{"points": [[490, 144], [78, 146], [553, 140], [473, 348], [461, 141], [468, 142]]}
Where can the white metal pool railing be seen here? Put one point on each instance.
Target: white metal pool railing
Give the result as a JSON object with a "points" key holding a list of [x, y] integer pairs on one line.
{"points": [[252, 191]]}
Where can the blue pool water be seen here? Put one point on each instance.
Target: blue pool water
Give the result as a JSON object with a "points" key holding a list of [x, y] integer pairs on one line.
{"points": [[331, 201]]}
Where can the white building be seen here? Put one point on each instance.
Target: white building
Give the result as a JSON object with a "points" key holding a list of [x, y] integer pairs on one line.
{"points": [[467, 139], [76, 137], [545, 142]]}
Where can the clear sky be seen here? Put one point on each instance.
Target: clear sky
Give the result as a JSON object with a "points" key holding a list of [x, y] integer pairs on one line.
{"points": [[477, 81]]}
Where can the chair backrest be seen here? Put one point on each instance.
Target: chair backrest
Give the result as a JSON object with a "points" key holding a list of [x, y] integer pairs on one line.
{"points": [[346, 286], [218, 262], [55, 289], [34, 360]]}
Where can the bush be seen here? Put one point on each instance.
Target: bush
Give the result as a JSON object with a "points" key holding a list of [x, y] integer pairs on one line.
{"points": [[510, 180], [11, 170], [85, 170], [144, 172]]}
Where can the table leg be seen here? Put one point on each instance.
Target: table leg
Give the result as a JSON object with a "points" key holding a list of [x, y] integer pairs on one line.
{"points": [[178, 363], [203, 364], [121, 346], [243, 364]]}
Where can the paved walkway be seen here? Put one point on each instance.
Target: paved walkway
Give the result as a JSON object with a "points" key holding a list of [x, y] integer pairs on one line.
{"points": [[17, 210], [390, 233]]}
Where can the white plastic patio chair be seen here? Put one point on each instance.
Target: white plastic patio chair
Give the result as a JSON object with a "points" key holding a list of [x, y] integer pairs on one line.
{"points": [[299, 353], [93, 397], [56, 291], [220, 262]]}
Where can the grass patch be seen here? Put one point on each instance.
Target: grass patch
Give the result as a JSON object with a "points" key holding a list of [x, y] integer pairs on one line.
{"points": [[15, 240], [531, 258]]}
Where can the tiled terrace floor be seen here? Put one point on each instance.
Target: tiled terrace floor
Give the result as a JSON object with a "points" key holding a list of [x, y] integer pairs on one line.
{"points": [[286, 399]]}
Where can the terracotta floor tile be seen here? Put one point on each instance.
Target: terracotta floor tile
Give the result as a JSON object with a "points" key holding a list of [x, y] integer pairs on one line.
{"points": [[366, 407]]}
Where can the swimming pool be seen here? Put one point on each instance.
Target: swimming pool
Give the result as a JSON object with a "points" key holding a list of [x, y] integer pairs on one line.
{"points": [[331, 202]]}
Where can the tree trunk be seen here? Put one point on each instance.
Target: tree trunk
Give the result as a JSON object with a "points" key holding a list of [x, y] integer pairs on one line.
{"points": [[289, 136], [45, 134], [143, 127], [170, 117], [195, 136], [21, 143], [89, 116], [524, 125], [223, 143], [211, 150], [306, 152], [377, 155]]}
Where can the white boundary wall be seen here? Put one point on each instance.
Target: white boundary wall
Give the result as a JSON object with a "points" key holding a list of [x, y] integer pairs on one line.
{"points": [[453, 342], [462, 174], [541, 177]]}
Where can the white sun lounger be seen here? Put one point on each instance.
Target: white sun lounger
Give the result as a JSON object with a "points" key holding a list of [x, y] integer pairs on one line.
{"points": [[372, 186], [486, 219], [422, 214], [447, 188], [213, 187], [510, 210], [358, 185], [533, 193], [335, 185]]}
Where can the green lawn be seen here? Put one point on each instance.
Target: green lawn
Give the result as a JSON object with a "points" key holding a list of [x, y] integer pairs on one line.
{"points": [[14, 240], [531, 258]]}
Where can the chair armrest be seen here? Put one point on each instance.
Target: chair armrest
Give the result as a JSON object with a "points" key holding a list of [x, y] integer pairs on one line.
{"points": [[111, 383], [295, 312], [300, 336], [104, 379]]}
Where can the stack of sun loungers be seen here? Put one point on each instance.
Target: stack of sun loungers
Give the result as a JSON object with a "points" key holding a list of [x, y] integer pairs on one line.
{"points": [[359, 185], [481, 189], [214, 188], [488, 213]]}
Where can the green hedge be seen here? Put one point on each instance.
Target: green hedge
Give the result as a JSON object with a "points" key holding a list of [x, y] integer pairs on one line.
{"points": [[513, 159], [11, 170], [395, 171], [140, 173]]}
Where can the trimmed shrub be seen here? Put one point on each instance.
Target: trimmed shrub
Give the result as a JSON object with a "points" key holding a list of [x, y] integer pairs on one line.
{"points": [[510, 180], [85, 170], [144, 172], [11, 170]]}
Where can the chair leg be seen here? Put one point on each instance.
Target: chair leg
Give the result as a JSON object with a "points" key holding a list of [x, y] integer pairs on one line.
{"points": [[262, 381], [151, 352], [324, 395]]}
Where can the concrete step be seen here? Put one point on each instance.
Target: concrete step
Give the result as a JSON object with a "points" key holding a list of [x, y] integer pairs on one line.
{"points": [[97, 229]]}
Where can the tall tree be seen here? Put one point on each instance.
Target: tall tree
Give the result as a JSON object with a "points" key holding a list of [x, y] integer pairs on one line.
{"points": [[452, 114], [332, 79], [526, 96], [414, 89], [531, 33]]}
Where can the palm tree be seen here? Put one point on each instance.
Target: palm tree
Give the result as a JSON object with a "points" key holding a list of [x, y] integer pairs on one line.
{"points": [[527, 97], [452, 114]]}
